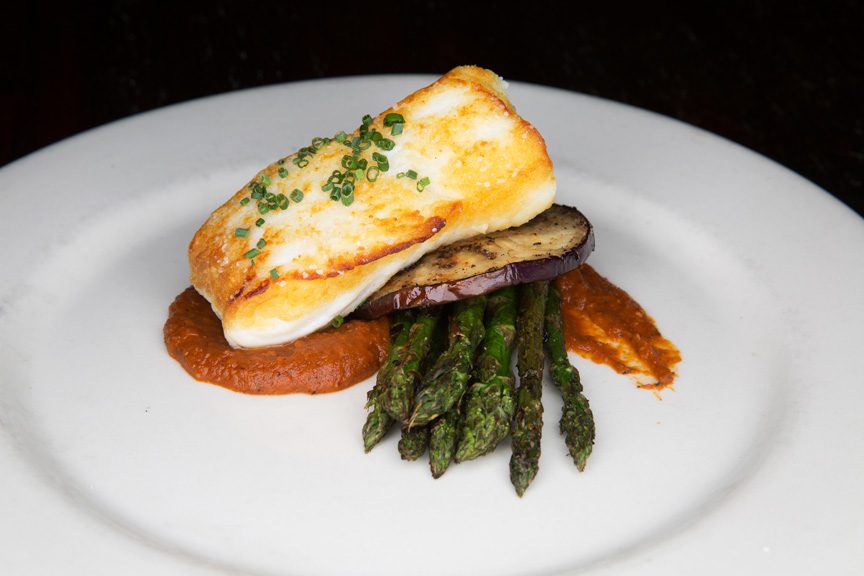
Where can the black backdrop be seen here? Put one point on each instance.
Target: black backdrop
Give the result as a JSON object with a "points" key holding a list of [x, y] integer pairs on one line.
{"points": [[783, 78]]}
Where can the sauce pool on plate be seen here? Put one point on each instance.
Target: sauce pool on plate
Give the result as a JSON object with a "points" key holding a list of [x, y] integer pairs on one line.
{"points": [[325, 361], [606, 325]]}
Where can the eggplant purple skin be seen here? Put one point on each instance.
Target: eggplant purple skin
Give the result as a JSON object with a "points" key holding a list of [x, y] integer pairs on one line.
{"points": [[509, 275]]}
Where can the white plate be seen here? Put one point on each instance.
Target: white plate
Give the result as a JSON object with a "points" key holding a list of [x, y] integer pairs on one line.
{"points": [[114, 461]]}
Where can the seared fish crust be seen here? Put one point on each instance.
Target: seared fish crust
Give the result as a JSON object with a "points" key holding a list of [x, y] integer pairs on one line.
{"points": [[487, 170]]}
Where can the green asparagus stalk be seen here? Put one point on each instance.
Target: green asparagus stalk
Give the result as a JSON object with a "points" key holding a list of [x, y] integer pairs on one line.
{"points": [[528, 420], [577, 421], [442, 441], [413, 443], [444, 384], [397, 399], [489, 403], [378, 422]]}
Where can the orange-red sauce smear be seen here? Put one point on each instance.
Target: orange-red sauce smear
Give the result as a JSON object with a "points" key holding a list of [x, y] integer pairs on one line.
{"points": [[604, 324], [325, 361]]}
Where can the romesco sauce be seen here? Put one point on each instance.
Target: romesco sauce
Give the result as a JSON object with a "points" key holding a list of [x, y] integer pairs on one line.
{"points": [[326, 361], [605, 325]]}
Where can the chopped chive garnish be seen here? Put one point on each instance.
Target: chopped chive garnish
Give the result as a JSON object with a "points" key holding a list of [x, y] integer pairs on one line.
{"points": [[280, 161], [259, 222], [274, 273], [244, 201], [265, 179], [241, 232], [263, 208], [340, 185], [257, 195], [261, 243], [422, 183], [252, 253], [269, 196], [337, 321], [393, 118]]}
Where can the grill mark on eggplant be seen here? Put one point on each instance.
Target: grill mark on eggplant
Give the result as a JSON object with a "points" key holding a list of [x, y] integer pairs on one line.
{"points": [[534, 251]]}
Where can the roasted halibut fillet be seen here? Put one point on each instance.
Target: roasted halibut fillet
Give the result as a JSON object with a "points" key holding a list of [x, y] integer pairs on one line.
{"points": [[314, 234]]}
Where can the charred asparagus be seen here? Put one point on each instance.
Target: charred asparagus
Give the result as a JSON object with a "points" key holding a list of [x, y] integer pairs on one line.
{"points": [[489, 403], [413, 443], [397, 398], [444, 384], [528, 420], [577, 421], [442, 441], [378, 422]]}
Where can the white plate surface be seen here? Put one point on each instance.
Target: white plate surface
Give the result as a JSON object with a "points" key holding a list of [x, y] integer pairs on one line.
{"points": [[114, 461]]}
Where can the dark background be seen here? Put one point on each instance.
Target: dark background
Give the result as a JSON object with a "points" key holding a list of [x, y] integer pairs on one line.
{"points": [[783, 78]]}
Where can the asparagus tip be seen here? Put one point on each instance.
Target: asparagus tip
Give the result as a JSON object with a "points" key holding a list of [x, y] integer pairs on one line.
{"points": [[438, 471], [581, 459], [463, 454]]}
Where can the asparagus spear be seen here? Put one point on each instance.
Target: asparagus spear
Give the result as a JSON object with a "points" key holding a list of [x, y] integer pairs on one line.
{"points": [[577, 421], [444, 384], [397, 399], [378, 422], [489, 403], [528, 420], [442, 441], [413, 443]]}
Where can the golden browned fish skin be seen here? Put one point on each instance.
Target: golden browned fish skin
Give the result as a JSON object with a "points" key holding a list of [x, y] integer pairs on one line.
{"points": [[488, 170]]}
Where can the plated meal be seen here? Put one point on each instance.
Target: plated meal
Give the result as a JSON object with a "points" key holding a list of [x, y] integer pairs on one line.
{"points": [[425, 245]]}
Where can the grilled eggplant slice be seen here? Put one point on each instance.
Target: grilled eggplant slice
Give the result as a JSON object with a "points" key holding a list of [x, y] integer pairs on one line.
{"points": [[554, 242]]}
